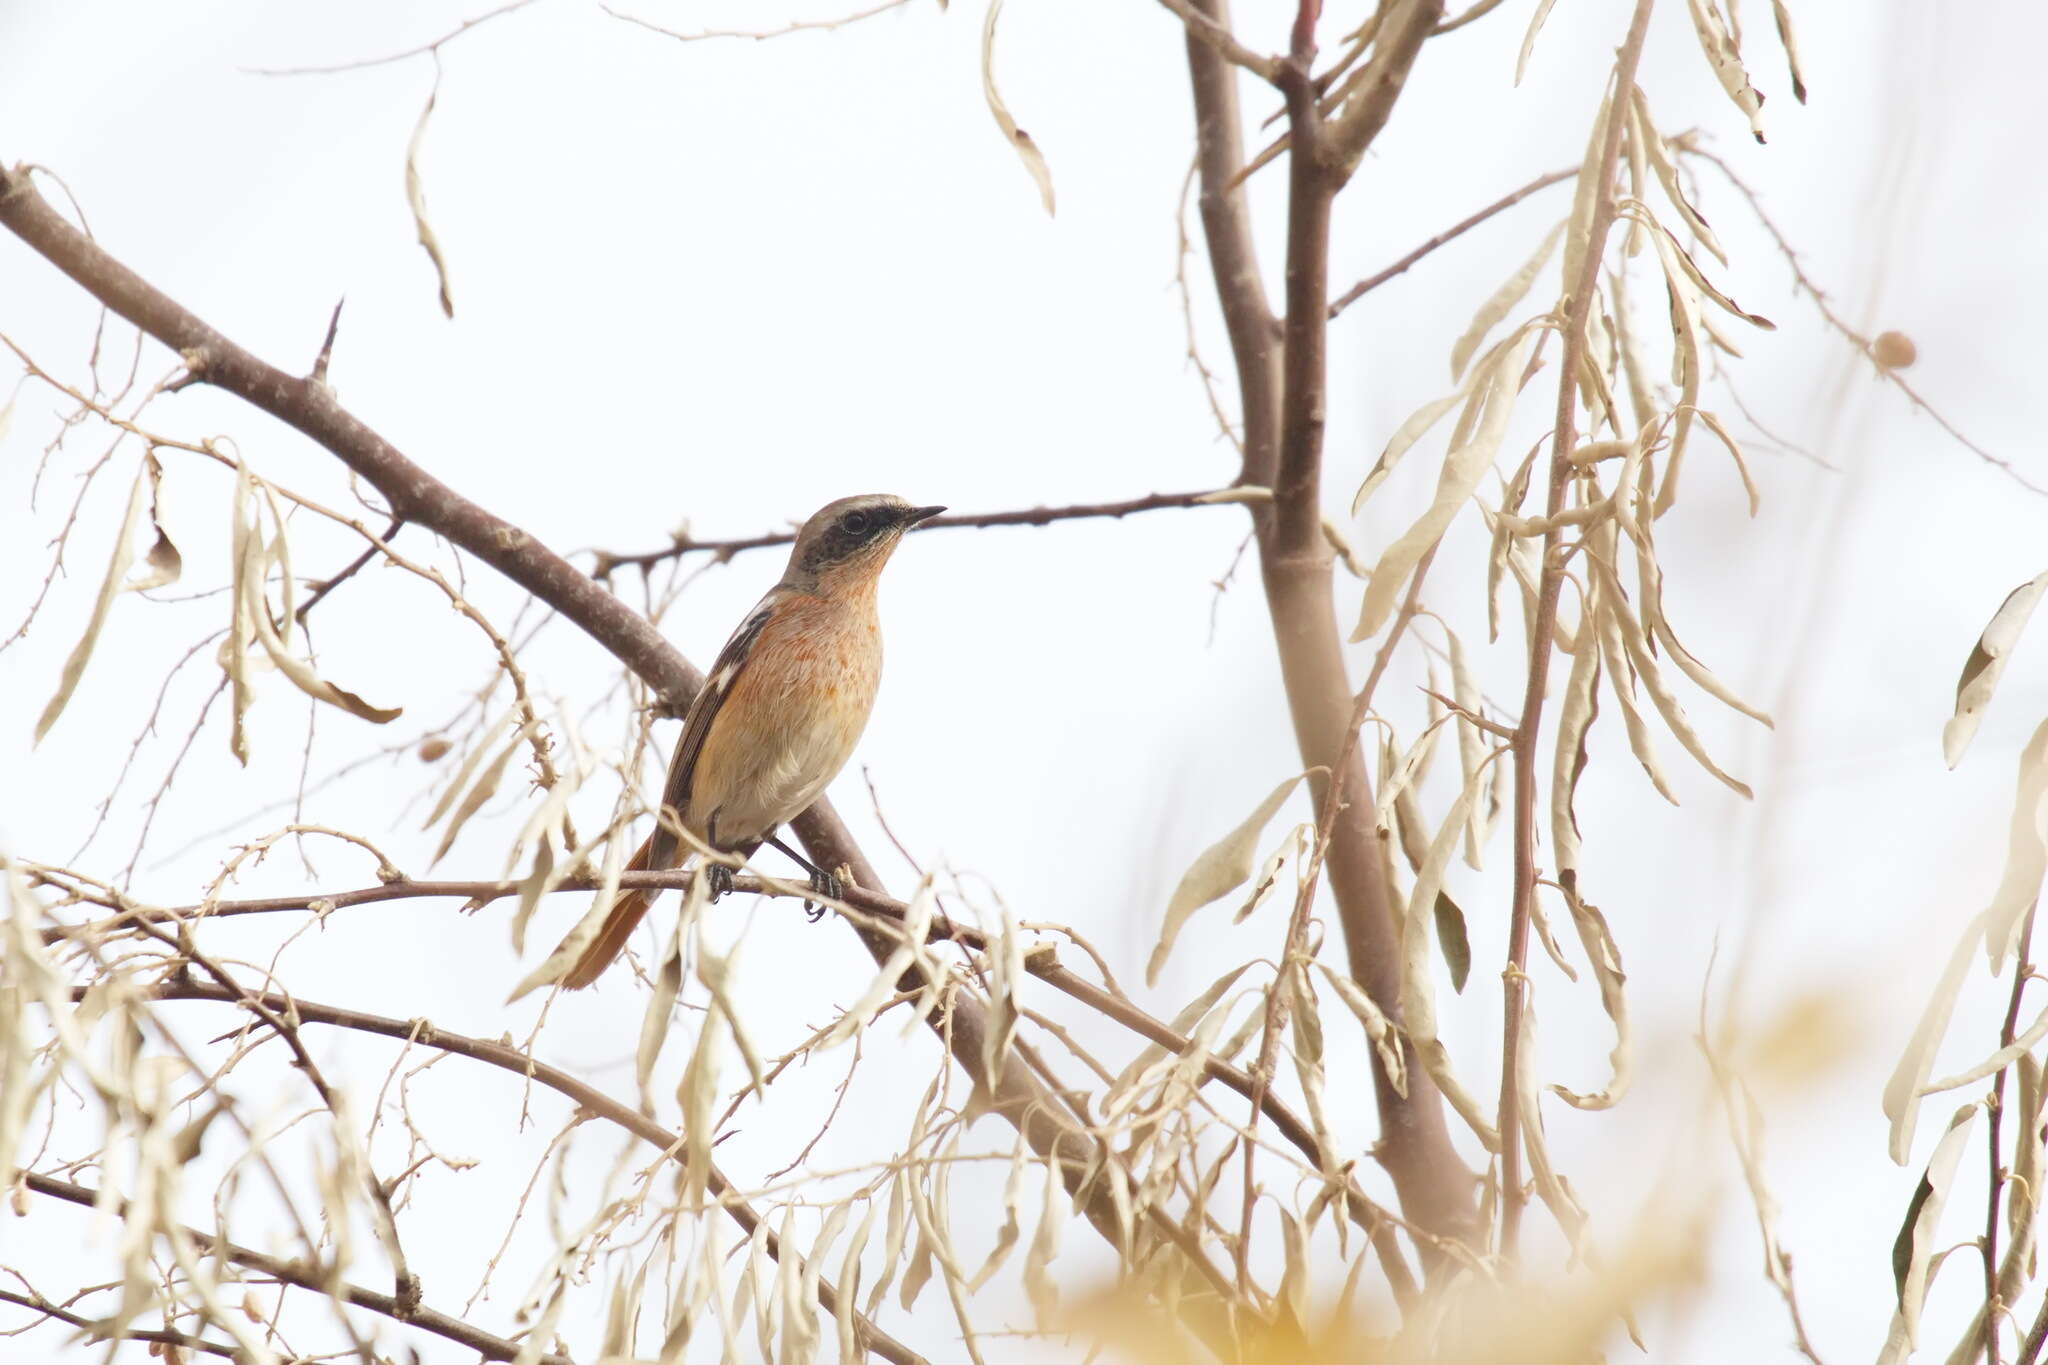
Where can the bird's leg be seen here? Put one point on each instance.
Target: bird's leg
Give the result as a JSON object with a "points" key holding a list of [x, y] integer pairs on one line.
{"points": [[717, 879], [822, 882]]}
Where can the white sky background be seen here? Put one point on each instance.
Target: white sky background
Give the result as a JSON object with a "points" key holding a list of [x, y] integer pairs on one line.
{"points": [[721, 283]]}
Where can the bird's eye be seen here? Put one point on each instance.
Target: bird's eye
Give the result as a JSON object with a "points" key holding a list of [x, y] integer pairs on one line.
{"points": [[855, 523]]}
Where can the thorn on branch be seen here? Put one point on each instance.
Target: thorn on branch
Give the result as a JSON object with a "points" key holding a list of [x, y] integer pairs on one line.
{"points": [[319, 375]]}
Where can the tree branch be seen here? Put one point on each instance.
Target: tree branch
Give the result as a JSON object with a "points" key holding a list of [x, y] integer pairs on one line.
{"points": [[1043, 963], [1283, 451], [416, 496], [1543, 632], [98, 1331], [506, 1058], [1212, 30], [296, 1272], [683, 544]]}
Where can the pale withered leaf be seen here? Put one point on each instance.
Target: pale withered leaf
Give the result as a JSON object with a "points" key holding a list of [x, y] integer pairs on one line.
{"points": [[1652, 676], [110, 587], [1986, 665], [165, 563], [1726, 60], [484, 788], [1019, 140], [1378, 1028], [1463, 468], [1503, 300], [416, 197], [1418, 994], [1221, 869], [1791, 45], [1529, 38], [1913, 1253], [2026, 858], [1659, 153]]}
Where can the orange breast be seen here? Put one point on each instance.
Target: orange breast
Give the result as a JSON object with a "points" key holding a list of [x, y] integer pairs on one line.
{"points": [[795, 713]]}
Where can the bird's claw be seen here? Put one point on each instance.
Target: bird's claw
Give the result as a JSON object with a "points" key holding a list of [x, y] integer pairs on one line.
{"points": [[718, 880], [826, 885]]}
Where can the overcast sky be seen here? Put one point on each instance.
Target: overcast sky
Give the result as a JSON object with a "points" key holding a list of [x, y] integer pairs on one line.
{"points": [[721, 283]]}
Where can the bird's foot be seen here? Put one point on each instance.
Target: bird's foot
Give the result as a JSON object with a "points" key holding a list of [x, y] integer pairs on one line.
{"points": [[827, 885], [717, 880]]}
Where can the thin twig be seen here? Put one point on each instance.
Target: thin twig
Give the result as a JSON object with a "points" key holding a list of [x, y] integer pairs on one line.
{"points": [[422, 50], [1690, 147], [609, 562], [1500, 205], [96, 1330], [760, 35], [291, 1271]]}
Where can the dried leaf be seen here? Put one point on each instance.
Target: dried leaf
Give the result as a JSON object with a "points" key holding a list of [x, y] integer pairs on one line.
{"points": [[1996, 1062], [1503, 300], [1675, 254], [2026, 858], [1418, 996], [1027, 150], [1686, 369], [656, 1022], [851, 1351], [1529, 38], [1378, 1028], [1986, 665], [1471, 744], [1791, 46], [484, 789], [165, 563], [1402, 774], [1621, 681], [1912, 1270], [1221, 869], [1045, 1245], [1405, 436], [416, 197], [1462, 470], [1652, 677], [1659, 153], [1726, 60], [110, 587]]}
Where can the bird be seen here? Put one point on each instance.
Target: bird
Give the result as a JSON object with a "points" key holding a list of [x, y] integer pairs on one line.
{"points": [[780, 713]]}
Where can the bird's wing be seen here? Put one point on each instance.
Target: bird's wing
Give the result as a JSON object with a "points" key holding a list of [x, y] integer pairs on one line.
{"points": [[682, 768]]}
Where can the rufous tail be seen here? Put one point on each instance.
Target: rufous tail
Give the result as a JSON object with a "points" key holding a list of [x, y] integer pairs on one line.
{"points": [[627, 912]]}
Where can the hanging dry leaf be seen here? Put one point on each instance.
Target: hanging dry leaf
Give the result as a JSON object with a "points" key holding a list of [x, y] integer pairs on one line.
{"points": [[1221, 869], [1659, 153], [1503, 300], [1913, 1256], [1791, 46], [1726, 60], [1027, 150], [1986, 665], [1529, 38], [2026, 859], [1463, 468], [110, 587], [416, 196], [1418, 995], [165, 563]]}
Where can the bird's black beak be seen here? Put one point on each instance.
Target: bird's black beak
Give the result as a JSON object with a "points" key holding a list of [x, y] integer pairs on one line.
{"points": [[918, 514]]}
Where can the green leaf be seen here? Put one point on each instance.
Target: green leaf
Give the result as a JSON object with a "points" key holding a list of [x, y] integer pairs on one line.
{"points": [[1450, 936]]}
